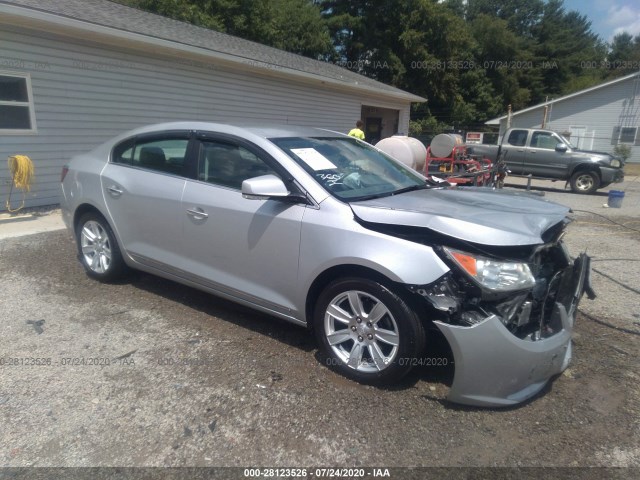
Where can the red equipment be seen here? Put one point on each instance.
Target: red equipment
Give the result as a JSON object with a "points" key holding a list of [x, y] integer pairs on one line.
{"points": [[458, 166]]}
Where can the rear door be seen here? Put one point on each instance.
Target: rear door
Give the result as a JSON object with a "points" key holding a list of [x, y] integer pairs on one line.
{"points": [[514, 151], [142, 186], [246, 249]]}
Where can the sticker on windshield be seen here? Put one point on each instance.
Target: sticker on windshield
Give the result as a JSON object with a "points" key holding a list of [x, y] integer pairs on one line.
{"points": [[314, 159]]}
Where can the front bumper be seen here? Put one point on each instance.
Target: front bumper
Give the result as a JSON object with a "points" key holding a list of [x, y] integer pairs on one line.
{"points": [[495, 368], [611, 175]]}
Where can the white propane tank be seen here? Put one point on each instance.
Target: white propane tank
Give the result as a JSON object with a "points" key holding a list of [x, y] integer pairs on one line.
{"points": [[407, 150], [442, 145]]}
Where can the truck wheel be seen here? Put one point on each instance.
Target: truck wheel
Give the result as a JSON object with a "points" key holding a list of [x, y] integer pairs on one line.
{"points": [[585, 181]]}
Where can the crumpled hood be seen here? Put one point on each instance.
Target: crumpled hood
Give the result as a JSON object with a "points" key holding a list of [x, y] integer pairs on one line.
{"points": [[478, 215]]}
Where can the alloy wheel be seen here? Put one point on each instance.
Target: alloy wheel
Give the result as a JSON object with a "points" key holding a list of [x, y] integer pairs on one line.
{"points": [[95, 246], [361, 331]]}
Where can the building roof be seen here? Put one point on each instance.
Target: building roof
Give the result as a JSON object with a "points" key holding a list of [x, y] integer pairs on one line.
{"points": [[108, 19], [496, 121]]}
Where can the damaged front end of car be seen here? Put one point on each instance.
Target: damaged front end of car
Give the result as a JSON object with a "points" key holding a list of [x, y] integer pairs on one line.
{"points": [[508, 303], [507, 317]]}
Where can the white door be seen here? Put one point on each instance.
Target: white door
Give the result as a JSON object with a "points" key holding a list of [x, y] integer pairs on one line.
{"points": [[578, 136]]}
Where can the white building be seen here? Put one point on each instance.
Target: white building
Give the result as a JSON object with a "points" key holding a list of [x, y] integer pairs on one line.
{"points": [[74, 73], [597, 118]]}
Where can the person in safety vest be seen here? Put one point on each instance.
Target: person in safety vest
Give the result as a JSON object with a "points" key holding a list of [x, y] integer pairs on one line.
{"points": [[357, 132]]}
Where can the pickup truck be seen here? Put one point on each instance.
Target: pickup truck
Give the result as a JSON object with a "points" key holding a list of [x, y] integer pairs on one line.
{"points": [[548, 155]]}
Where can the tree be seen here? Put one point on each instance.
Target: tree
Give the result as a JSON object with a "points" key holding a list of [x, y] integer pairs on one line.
{"points": [[509, 64], [624, 55], [521, 15], [566, 47], [292, 25]]}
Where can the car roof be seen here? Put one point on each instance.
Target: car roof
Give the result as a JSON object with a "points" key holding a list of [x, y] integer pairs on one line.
{"points": [[266, 130]]}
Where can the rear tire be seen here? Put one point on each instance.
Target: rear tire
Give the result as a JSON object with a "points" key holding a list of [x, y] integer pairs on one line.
{"points": [[98, 249], [366, 331], [585, 181]]}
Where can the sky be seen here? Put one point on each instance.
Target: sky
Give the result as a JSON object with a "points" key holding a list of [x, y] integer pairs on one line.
{"points": [[609, 17]]}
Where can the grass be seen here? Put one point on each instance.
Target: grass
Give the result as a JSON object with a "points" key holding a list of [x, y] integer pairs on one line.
{"points": [[632, 169]]}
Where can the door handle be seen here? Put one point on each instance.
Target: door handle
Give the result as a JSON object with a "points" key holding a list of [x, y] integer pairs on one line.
{"points": [[115, 191], [197, 213]]}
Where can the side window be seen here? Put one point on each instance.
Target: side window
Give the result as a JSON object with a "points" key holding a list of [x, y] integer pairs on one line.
{"points": [[166, 155], [123, 152], [161, 155], [229, 165], [517, 138], [544, 140], [16, 104]]}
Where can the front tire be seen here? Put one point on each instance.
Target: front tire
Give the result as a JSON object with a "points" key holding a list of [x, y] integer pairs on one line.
{"points": [[98, 248], [585, 181], [366, 331]]}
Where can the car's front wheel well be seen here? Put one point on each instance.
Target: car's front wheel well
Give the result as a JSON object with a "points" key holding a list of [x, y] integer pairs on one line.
{"points": [[344, 271]]}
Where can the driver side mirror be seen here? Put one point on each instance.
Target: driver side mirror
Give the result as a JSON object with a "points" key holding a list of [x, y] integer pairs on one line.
{"points": [[561, 147], [269, 187]]}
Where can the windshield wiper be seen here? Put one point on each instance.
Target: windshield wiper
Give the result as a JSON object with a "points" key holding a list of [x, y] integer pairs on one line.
{"points": [[410, 189]]}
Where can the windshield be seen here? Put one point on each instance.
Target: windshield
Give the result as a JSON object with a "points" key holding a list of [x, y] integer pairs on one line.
{"points": [[350, 169]]}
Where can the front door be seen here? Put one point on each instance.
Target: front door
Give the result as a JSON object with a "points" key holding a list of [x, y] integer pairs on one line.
{"points": [[542, 158], [246, 249]]}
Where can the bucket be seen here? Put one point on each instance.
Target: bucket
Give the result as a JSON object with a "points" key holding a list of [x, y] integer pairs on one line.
{"points": [[615, 198]]}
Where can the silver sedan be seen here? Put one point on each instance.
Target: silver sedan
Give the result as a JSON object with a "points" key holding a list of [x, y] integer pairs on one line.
{"points": [[329, 233]]}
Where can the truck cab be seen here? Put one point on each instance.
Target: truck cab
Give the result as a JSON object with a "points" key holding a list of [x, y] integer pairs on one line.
{"points": [[539, 153]]}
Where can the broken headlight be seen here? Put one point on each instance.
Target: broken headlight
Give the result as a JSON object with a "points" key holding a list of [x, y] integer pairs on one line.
{"points": [[494, 275]]}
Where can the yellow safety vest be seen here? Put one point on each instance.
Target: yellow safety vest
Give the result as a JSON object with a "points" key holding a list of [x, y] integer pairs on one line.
{"points": [[356, 132]]}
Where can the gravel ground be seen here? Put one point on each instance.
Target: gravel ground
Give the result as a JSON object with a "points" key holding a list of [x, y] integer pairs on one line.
{"points": [[186, 379]]}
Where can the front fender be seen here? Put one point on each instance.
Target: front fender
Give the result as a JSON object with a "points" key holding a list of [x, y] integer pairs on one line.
{"points": [[346, 242]]}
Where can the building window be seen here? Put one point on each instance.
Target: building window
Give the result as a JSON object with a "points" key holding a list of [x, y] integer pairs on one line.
{"points": [[16, 104], [628, 134]]}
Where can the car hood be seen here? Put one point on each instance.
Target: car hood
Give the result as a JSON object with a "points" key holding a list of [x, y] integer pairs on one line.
{"points": [[477, 215], [592, 153]]}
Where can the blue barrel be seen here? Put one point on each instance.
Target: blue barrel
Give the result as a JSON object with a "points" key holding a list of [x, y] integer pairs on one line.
{"points": [[615, 198]]}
